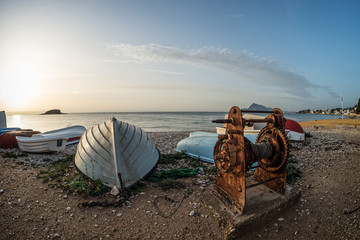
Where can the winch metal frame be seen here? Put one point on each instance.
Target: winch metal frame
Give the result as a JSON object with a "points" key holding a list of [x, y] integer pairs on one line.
{"points": [[234, 154]]}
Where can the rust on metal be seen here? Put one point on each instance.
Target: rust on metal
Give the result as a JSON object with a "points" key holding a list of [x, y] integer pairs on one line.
{"points": [[234, 154], [230, 161]]}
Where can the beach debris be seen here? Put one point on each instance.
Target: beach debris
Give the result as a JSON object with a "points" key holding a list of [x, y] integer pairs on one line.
{"points": [[234, 154], [115, 191]]}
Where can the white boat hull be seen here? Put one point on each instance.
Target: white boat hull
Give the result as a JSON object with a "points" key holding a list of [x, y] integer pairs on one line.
{"points": [[51, 141], [39, 146], [201, 145], [117, 153]]}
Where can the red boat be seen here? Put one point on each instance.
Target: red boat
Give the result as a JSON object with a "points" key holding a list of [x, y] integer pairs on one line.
{"points": [[8, 139], [295, 131]]}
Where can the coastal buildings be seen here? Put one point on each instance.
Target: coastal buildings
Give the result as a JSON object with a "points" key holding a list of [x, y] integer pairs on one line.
{"points": [[335, 111]]}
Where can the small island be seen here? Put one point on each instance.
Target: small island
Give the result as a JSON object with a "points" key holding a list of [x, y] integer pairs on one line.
{"points": [[52, 111]]}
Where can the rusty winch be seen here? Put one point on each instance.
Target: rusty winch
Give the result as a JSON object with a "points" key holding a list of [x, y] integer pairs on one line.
{"points": [[234, 155]]}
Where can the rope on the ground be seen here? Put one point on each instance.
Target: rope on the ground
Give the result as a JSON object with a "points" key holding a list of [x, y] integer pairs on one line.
{"points": [[349, 212], [161, 213]]}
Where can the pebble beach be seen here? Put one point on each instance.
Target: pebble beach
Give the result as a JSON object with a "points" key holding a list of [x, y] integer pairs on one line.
{"points": [[328, 159]]}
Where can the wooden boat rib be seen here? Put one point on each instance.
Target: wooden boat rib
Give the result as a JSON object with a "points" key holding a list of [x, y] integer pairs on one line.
{"points": [[117, 153]]}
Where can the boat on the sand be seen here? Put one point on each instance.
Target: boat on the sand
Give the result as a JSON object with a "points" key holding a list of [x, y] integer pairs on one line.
{"points": [[294, 131], [4, 130], [117, 153], [255, 129], [201, 145], [51, 141], [8, 139]]}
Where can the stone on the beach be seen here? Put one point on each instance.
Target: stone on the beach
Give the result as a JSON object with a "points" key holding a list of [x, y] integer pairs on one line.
{"points": [[114, 191]]}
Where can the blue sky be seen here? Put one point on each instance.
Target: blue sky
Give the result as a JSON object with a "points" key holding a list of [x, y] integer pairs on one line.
{"points": [[84, 56]]}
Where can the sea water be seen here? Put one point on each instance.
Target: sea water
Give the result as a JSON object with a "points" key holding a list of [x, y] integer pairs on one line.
{"points": [[149, 121]]}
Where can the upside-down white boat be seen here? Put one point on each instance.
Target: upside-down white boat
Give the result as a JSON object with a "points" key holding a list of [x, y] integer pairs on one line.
{"points": [[117, 153], [201, 145], [51, 141]]}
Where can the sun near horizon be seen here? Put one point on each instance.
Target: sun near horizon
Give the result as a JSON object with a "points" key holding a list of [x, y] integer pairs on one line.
{"points": [[81, 56]]}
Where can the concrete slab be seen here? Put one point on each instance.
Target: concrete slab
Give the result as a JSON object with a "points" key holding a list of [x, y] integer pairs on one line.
{"points": [[262, 205]]}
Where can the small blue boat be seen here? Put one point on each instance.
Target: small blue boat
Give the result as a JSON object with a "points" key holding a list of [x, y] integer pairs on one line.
{"points": [[201, 145]]}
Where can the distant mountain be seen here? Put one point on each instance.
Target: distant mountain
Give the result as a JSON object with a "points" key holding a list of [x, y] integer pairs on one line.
{"points": [[258, 107]]}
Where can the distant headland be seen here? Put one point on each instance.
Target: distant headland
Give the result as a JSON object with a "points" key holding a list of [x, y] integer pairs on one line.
{"points": [[257, 107], [52, 111]]}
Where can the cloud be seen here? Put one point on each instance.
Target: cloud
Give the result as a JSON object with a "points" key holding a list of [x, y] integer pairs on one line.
{"points": [[165, 72], [246, 66], [117, 61]]}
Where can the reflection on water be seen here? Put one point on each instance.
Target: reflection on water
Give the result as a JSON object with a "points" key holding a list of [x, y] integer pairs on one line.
{"points": [[16, 120]]}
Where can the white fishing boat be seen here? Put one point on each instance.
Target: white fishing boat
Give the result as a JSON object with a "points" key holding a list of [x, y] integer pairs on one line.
{"points": [[51, 141], [255, 129], [117, 153]]}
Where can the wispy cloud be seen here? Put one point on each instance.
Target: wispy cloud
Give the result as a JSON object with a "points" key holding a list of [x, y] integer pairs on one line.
{"points": [[246, 65], [165, 72], [117, 61]]}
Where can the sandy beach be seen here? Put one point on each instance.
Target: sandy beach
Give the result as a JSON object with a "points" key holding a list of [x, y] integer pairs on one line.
{"points": [[331, 123], [328, 159]]}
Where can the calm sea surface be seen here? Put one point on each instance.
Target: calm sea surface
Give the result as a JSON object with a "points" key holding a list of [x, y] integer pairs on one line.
{"points": [[150, 122]]}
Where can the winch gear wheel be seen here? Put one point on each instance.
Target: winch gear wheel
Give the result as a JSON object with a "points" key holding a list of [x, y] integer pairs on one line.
{"points": [[225, 156], [278, 140]]}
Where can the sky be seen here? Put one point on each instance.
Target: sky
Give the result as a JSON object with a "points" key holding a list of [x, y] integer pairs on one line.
{"points": [[152, 55]]}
